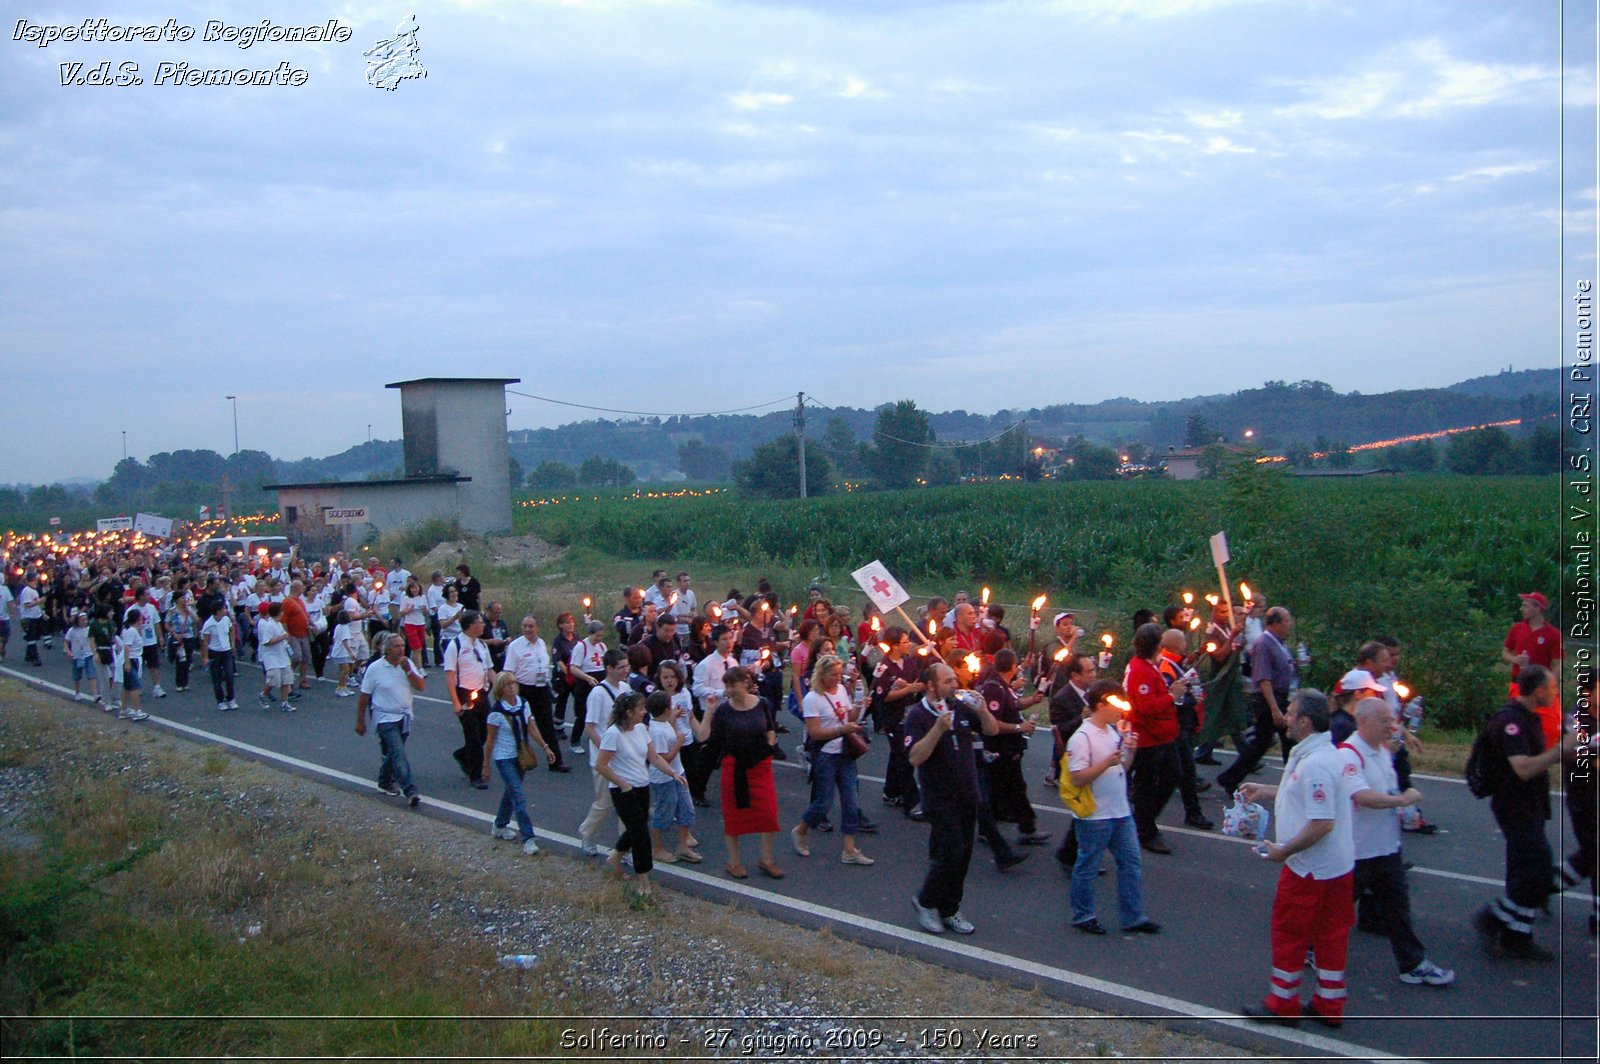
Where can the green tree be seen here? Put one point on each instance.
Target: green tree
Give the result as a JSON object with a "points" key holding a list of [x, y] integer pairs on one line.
{"points": [[516, 473], [703, 461], [773, 470], [840, 443], [552, 476], [1196, 433], [1213, 462], [1482, 451], [1542, 450], [899, 449], [1298, 454], [1093, 461], [943, 467], [1339, 456], [604, 473]]}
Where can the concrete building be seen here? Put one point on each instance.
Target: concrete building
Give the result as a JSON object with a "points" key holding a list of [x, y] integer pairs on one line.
{"points": [[1185, 464], [457, 465]]}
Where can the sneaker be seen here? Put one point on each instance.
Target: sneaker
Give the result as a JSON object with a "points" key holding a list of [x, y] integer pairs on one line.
{"points": [[856, 857], [222, 707], [136, 715], [577, 748], [343, 692], [959, 924], [79, 696], [98, 700], [867, 827], [266, 703], [286, 707], [1430, 973], [233, 703], [530, 846], [413, 800], [180, 690], [591, 850], [508, 833], [801, 847], [159, 692], [389, 789], [825, 825], [928, 918]]}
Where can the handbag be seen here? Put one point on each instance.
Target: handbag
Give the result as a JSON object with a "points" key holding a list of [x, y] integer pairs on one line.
{"points": [[1079, 800], [855, 744], [526, 758]]}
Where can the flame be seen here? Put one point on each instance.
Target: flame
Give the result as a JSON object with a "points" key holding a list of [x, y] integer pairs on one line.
{"points": [[933, 628], [716, 611], [766, 652], [587, 602], [1402, 690], [1188, 598], [985, 596], [1120, 702], [1107, 640], [884, 647], [1213, 599], [1038, 604], [1194, 624], [1211, 648], [672, 599], [262, 551], [923, 650], [877, 625], [793, 610], [1244, 589], [1062, 654], [972, 661]]}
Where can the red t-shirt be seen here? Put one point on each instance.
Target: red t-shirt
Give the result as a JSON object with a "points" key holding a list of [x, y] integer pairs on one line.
{"points": [[1542, 647], [1155, 716], [295, 619]]}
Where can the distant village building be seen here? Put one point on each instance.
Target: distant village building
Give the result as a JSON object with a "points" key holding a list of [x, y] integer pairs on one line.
{"points": [[457, 465], [1184, 464]]}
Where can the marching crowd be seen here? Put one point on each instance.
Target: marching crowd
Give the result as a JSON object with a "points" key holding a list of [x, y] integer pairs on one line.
{"points": [[668, 692]]}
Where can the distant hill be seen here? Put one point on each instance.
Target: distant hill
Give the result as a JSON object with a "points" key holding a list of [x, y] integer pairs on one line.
{"points": [[1513, 384]]}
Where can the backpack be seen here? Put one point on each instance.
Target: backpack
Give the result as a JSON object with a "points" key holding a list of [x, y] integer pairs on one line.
{"points": [[1486, 767]]}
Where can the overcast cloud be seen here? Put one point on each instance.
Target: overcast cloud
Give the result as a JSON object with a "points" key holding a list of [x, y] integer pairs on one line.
{"points": [[705, 204]]}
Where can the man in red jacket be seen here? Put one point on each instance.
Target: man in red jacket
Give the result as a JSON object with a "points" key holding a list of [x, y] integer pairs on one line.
{"points": [[1154, 718]]}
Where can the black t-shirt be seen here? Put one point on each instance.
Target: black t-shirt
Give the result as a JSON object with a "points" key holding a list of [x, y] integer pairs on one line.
{"points": [[469, 591], [1518, 733], [1005, 707], [949, 778]]}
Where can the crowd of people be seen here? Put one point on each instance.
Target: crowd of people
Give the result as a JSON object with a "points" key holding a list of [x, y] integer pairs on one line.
{"points": [[663, 692]]}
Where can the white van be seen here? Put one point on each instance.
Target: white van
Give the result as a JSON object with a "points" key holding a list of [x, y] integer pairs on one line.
{"points": [[242, 548]]}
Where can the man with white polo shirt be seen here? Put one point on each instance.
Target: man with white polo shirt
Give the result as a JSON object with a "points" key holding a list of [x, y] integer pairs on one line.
{"points": [[1314, 908], [528, 659], [1380, 870], [469, 673]]}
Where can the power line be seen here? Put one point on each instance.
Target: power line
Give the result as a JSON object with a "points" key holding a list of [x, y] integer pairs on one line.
{"points": [[645, 413]]}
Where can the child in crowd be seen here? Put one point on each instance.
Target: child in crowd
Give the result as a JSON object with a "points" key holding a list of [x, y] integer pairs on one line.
{"points": [[670, 805]]}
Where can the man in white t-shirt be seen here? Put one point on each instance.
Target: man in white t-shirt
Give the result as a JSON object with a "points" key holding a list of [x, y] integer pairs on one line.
{"points": [[684, 607], [1098, 755], [278, 671], [1315, 905], [218, 638], [8, 613], [1380, 872], [597, 717], [30, 612], [151, 630], [386, 691]]}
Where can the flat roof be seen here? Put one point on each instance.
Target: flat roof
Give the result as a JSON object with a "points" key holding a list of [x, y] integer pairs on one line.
{"points": [[456, 380], [400, 483]]}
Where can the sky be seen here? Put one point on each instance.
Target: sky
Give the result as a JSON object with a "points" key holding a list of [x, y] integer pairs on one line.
{"points": [[689, 206]]}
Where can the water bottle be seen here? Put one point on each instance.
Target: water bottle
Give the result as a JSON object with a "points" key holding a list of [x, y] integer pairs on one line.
{"points": [[1413, 714], [858, 694], [519, 960]]}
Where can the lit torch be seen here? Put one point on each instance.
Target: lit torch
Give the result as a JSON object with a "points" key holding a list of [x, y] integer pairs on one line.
{"points": [[1188, 598], [1033, 621], [1245, 593], [1106, 641]]}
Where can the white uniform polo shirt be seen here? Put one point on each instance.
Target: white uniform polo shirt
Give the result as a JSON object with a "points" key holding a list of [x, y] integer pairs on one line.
{"points": [[1376, 832], [1315, 787]]}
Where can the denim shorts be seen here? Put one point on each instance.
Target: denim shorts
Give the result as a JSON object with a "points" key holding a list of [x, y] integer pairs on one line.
{"points": [[82, 669], [670, 805]]}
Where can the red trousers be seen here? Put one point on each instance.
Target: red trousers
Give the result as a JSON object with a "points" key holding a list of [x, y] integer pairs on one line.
{"points": [[1311, 914]]}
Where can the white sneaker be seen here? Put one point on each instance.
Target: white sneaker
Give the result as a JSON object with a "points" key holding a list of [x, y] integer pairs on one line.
{"points": [[159, 692], [233, 703], [591, 850], [78, 696], [959, 924], [928, 918], [222, 707], [508, 833], [577, 748], [530, 847], [343, 692], [136, 715], [1430, 973]]}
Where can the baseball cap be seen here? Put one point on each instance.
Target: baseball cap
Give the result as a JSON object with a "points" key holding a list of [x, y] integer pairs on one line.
{"points": [[1537, 598], [1357, 680], [1063, 615]]}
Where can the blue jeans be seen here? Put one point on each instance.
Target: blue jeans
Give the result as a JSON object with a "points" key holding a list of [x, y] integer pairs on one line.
{"points": [[1094, 838], [830, 772], [396, 769], [511, 799]]}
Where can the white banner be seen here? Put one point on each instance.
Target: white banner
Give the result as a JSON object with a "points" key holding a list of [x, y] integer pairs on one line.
{"points": [[884, 591], [349, 515], [113, 524], [1219, 549], [151, 525]]}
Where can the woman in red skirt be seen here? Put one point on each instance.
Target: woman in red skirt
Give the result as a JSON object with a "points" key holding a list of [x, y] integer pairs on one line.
{"points": [[739, 723]]}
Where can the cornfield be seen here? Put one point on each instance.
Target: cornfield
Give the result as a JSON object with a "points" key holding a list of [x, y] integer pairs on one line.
{"points": [[1435, 561]]}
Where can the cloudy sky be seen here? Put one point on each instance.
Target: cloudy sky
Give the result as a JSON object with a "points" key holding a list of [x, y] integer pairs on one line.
{"points": [[694, 205]]}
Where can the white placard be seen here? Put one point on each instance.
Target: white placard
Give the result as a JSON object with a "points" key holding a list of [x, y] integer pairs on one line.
{"points": [[884, 591], [113, 524], [152, 525], [1219, 549], [345, 515]]}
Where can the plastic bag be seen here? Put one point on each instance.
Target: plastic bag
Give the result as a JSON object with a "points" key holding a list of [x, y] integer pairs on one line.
{"points": [[1246, 820]]}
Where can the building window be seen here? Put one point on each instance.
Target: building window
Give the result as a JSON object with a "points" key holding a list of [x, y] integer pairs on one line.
{"points": [[291, 514]]}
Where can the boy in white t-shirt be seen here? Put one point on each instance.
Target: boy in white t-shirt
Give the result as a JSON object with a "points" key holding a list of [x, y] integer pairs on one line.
{"points": [[1098, 756], [80, 648], [277, 670], [670, 804]]}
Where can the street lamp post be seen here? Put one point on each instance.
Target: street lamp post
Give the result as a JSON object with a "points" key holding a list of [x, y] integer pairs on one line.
{"points": [[234, 399]]}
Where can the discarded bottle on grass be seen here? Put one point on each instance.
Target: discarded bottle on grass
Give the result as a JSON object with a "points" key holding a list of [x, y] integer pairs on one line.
{"points": [[519, 960]]}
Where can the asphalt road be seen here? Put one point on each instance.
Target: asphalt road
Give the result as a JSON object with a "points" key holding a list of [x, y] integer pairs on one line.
{"points": [[1212, 895]]}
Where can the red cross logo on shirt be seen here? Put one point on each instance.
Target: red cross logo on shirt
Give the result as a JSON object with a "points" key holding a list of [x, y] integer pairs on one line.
{"points": [[880, 585]]}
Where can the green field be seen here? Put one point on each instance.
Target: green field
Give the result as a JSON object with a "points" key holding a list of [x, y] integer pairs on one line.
{"points": [[1435, 561]]}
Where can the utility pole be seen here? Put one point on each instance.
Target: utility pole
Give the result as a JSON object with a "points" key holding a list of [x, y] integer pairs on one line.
{"points": [[124, 445], [800, 436], [234, 399]]}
